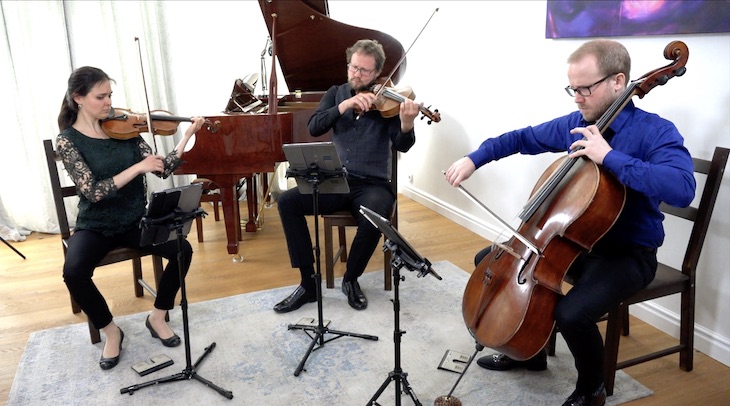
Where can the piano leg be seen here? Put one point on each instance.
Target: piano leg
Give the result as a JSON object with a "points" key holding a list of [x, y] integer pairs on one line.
{"points": [[231, 211], [252, 200]]}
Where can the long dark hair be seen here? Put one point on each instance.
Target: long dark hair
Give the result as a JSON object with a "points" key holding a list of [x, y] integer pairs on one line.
{"points": [[79, 84]]}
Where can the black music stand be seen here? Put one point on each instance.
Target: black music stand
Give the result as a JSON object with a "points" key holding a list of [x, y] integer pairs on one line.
{"points": [[402, 255], [317, 169], [169, 216]]}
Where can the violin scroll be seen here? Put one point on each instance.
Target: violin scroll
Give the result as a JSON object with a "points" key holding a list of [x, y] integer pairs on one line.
{"points": [[433, 116], [676, 51], [123, 124]]}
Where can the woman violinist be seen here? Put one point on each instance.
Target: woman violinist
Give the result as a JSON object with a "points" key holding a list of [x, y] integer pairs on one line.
{"points": [[109, 178], [646, 154]]}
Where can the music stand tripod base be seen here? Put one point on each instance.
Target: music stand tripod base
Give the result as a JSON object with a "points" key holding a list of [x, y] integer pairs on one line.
{"points": [[402, 254], [12, 248], [168, 214], [306, 323], [317, 169]]}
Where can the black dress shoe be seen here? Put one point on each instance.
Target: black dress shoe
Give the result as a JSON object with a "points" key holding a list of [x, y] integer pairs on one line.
{"points": [[501, 362], [355, 298], [297, 299], [109, 363], [173, 341], [597, 398]]}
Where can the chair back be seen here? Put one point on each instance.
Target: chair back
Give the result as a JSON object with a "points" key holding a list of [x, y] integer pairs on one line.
{"points": [[700, 215], [394, 185], [59, 192]]}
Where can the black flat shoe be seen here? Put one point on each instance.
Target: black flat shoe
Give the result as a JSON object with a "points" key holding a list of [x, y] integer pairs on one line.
{"points": [[173, 341], [597, 398], [501, 362], [295, 300], [355, 298], [109, 363]]}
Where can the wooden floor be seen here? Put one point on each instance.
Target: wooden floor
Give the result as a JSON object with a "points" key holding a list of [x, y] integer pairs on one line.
{"points": [[33, 296]]}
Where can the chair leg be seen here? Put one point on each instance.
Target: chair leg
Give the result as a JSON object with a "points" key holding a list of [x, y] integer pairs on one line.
{"points": [[136, 276], [625, 320], [216, 215], [74, 306], [613, 335], [328, 254], [93, 333], [199, 228], [687, 330], [550, 347], [343, 244]]}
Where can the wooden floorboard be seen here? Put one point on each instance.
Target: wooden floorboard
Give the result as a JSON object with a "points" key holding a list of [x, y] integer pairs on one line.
{"points": [[33, 296]]}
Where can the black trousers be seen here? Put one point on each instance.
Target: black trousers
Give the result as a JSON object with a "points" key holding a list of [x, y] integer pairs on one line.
{"points": [[294, 206], [603, 278], [87, 248]]}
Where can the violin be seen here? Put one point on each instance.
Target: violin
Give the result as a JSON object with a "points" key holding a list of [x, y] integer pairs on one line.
{"points": [[388, 100], [123, 124]]}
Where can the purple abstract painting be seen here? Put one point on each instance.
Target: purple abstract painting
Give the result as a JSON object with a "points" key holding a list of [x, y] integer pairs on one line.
{"points": [[610, 18]]}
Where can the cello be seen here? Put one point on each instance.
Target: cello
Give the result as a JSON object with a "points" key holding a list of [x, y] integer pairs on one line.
{"points": [[510, 298]]}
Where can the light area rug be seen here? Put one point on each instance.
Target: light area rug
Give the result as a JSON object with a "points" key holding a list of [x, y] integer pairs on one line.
{"points": [[256, 355]]}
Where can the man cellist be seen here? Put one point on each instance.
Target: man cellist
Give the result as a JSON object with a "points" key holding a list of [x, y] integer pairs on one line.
{"points": [[646, 154]]}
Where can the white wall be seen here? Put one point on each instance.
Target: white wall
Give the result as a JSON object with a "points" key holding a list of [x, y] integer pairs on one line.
{"points": [[487, 67]]}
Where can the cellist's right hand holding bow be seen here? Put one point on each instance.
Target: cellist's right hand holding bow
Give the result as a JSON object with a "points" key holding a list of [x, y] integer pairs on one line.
{"points": [[460, 170]]}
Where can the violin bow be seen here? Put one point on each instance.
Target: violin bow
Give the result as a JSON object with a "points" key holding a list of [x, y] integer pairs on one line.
{"points": [[146, 99], [403, 58]]}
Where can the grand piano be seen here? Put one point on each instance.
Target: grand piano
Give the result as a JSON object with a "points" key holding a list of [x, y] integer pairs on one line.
{"points": [[240, 144]]}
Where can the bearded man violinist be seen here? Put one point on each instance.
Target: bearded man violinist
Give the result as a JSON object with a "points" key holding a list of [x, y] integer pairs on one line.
{"points": [[646, 154], [363, 138]]}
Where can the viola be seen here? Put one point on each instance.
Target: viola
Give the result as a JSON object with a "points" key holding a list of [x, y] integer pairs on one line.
{"points": [[510, 299], [123, 124], [389, 99]]}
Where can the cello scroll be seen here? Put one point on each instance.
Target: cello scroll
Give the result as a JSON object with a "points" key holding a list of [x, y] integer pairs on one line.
{"points": [[676, 51]]}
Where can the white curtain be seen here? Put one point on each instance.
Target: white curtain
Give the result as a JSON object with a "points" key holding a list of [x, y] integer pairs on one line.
{"points": [[42, 43]]}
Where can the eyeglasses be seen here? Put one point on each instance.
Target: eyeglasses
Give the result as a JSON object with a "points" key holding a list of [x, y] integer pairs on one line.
{"points": [[363, 71], [584, 91]]}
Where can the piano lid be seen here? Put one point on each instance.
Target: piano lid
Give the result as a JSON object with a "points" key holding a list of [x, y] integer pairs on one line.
{"points": [[303, 27]]}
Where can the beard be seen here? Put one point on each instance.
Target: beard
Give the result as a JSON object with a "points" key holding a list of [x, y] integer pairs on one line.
{"points": [[358, 85], [591, 114]]}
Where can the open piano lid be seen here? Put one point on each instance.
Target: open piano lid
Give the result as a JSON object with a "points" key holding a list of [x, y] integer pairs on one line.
{"points": [[310, 46]]}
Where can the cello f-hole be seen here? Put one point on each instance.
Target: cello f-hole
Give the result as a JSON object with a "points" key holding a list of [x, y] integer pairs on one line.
{"points": [[521, 280]]}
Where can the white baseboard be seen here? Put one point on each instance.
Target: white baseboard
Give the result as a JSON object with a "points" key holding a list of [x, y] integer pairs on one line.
{"points": [[706, 341]]}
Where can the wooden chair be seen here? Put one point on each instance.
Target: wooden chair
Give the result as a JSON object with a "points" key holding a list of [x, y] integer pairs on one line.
{"points": [[668, 280], [114, 256], [211, 194], [344, 218]]}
